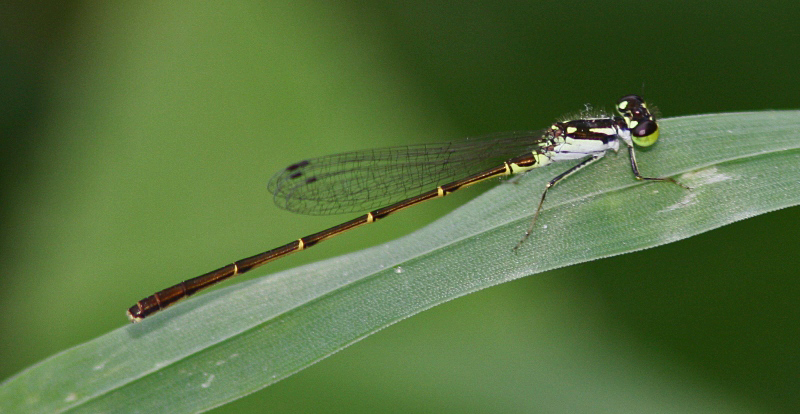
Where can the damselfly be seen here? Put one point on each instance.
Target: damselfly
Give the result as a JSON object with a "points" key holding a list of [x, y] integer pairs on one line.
{"points": [[383, 181]]}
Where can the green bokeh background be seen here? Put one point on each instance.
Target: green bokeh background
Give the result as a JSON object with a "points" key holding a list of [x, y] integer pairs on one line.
{"points": [[137, 140]]}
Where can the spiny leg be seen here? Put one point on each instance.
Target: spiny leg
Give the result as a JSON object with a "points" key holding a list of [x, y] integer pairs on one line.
{"points": [[552, 183], [635, 168]]}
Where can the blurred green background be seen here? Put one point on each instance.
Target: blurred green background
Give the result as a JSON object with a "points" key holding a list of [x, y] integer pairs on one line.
{"points": [[137, 140]]}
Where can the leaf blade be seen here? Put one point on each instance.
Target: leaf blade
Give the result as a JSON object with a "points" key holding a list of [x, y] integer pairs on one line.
{"points": [[226, 344]]}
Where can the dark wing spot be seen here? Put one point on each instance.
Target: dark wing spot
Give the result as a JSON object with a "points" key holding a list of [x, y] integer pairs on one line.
{"points": [[296, 175], [300, 164], [311, 180]]}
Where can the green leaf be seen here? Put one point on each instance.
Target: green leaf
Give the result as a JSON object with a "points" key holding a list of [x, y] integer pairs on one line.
{"points": [[221, 346]]}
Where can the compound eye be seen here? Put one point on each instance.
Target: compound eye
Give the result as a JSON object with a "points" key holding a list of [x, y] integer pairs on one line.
{"points": [[645, 128], [645, 133]]}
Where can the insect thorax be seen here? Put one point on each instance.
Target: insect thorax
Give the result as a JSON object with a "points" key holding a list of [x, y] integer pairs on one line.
{"points": [[579, 138]]}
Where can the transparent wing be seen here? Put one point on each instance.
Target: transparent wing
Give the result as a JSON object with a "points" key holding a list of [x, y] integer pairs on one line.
{"points": [[360, 181]]}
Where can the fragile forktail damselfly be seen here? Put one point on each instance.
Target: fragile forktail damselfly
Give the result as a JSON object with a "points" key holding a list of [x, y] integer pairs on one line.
{"points": [[383, 181]]}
